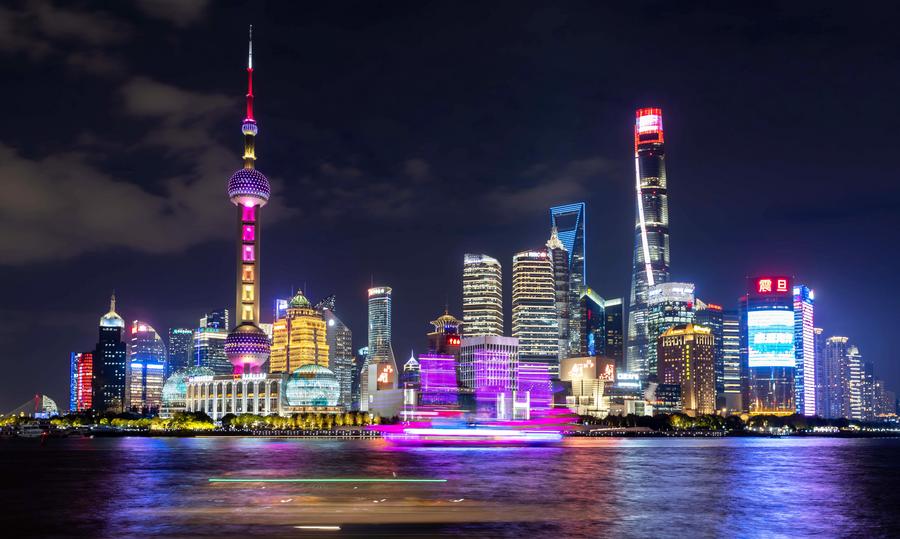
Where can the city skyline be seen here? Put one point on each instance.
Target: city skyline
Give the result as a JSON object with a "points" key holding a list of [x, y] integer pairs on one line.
{"points": [[579, 176]]}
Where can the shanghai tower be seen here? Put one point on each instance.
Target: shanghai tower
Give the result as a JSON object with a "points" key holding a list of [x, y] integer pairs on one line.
{"points": [[650, 264], [247, 346]]}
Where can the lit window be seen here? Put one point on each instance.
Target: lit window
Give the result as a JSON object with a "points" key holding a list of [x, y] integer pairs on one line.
{"points": [[248, 233], [248, 215], [247, 313], [247, 273], [248, 253], [248, 292]]}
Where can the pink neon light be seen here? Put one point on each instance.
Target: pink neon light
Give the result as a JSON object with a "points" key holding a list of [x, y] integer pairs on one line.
{"points": [[248, 253], [248, 214], [249, 233]]}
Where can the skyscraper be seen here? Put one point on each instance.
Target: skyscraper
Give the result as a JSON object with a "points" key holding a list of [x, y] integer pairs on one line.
{"points": [[686, 354], [298, 339], [482, 296], [650, 264], [109, 363], [380, 349], [340, 348], [804, 351], [534, 320], [836, 401], [208, 345], [768, 333], [731, 361], [614, 310], [711, 316], [146, 369], [592, 333], [445, 338], [856, 383], [821, 376], [247, 346], [559, 257], [179, 350], [81, 381], [569, 222], [668, 304]]}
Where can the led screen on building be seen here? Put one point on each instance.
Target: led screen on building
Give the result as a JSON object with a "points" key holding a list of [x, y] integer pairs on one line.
{"points": [[770, 338]]}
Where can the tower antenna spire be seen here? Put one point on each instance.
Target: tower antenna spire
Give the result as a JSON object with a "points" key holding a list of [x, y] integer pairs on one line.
{"points": [[250, 77]]}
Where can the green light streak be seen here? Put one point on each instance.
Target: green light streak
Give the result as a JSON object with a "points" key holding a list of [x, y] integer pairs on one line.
{"points": [[322, 480]]}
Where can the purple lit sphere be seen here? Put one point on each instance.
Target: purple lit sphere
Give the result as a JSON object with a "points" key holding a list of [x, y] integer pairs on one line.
{"points": [[247, 348], [248, 187]]}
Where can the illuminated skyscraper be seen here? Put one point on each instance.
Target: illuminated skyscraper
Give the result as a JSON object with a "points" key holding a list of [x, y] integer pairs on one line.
{"points": [[482, 296], [821, 370], [686, 356], [650, 264], [615, 331], [340, 348], [208, 346], [81, 381], [379, 370], [836, 401], [559, 257], [300, 338], [247, 346], [856, 383], [711, 316], [731, 361], [146, 369], [179, 350], [534, 320], [668, 304], [109, 363], [592, 333], [767, 333], [804, 351], [569, 223]]}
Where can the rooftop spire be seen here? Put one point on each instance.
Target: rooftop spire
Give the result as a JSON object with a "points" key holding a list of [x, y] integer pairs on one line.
{"points": [[112, 302], [249, 117]]}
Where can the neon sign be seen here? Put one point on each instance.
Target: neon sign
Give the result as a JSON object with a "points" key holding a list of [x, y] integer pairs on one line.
{"points": [[776, 285]]}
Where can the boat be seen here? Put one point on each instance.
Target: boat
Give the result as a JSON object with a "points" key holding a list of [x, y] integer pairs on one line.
{"points": [[31, 430], [505, 433]]}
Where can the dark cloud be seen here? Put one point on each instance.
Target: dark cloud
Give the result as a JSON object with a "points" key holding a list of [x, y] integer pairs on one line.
{"points": [[179, 12]]}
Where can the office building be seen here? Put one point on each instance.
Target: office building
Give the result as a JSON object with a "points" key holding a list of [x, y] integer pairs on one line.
{"points": [[732, 384], [856, 383], [668, 304], [109, 360], [711, 315], [650, 263], [686, 356], [208, 347], [804, 351], [482, 296], [559, 258], [216, 319], [247, 346], [380, 349], [340, 348], [146, 369], [81, 378], [836, 374], [569, 222], [767, 333], [821, 373], [534, 321], [614, 310], [592, 317], [179, 355], [488, 365], [410, 376], [300, 338], [379, 376]]}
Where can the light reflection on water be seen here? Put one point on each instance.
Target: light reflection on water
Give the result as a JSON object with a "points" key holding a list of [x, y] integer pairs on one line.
{"points": [[704, 487]]}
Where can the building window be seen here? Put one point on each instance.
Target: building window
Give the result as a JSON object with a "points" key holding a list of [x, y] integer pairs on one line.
{"points": [[248, 253], [248, 215], [247, 273], [247, 313], [248, 292], [248, 233]]}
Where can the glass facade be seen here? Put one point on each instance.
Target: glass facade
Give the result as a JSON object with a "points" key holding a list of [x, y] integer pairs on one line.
{"points": [[300, 338], [146, 369], [712, 316], [312, 385], [179, 349], [668, 304], [109, 365], [569, 222], [804, 351], [650, 263], [340, 349]]}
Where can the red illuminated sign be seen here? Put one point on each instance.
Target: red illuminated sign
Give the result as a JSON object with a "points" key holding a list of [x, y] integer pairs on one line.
{"points": [[774, 285], [648, 127]]}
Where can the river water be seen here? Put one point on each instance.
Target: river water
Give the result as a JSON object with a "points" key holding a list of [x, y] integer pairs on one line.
{"points": [[629, 487]]}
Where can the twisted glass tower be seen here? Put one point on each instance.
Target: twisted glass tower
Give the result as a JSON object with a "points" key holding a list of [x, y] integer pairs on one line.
{"points": [[650, 264], [247, 346]]}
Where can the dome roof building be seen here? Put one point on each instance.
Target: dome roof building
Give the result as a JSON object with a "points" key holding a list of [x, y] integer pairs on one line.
{"points": [[300, 338], [312, 385]]}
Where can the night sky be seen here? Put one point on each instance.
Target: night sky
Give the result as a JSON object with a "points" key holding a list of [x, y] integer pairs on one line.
{"points": [[400, 136]]}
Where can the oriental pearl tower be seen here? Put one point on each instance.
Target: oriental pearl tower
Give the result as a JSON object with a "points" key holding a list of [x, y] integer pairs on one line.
{"points": [[247, 346]]}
